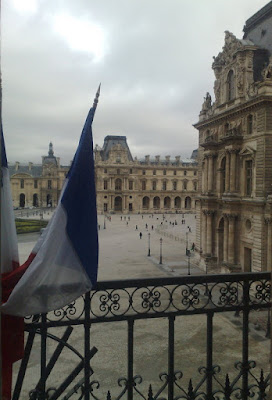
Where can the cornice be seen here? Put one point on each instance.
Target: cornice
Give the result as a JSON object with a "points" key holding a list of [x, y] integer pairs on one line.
{"points": [[234, 111]]}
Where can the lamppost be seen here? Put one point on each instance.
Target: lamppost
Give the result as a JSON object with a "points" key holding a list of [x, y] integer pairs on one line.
{"points": [[189, 266], [148, 245], [104, 222], [160, 250], [187, 240]]}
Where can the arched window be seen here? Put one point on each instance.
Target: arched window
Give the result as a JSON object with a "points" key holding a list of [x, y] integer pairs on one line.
{"points": [[22, 200], [230, 86], [177, 202], [146, 203], [167, 202], [187, 203], [35, 200], [156, 202]]}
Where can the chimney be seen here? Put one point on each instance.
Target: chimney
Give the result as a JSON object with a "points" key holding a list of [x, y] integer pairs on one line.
{"points": [[147, 158], [167, 159], [157, 159], [17, 164], [30, 166], [177, 159]]}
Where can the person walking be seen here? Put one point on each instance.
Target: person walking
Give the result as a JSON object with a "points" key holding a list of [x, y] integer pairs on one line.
{"points": [[140, 234], [136, 228]]}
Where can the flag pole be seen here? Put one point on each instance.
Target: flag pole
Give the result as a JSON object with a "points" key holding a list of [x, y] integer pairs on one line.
{"points": [[1, 386]]}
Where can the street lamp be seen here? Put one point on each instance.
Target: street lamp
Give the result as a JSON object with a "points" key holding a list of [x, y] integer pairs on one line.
{"points": [[104, 222], [189, 266], [160, 250], [187, 240], [148, 245]]}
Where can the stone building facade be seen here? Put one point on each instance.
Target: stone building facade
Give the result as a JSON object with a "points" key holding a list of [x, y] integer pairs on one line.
{"points": [[35, 185], [123, 184], [234, 211], [128, 185]]}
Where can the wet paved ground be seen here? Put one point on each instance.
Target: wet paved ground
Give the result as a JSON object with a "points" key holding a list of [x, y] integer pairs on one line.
{"points": [[124, 255]]}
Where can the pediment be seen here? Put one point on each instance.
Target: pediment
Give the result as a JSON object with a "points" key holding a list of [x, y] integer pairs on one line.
{"points": [[247, 151], [21, 175]]}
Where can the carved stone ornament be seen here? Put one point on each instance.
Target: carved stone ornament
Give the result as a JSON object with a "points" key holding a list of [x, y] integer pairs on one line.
{"points": [[268, 220], [252, 90], [267, 71], [232, 44], [240, 77]]}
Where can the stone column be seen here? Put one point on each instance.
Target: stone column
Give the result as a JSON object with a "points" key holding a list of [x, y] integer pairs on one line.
{"points": [[231, 241], [232, 170], [268, 221], [210, 173], [209, 232], [206, 160], [203, 232], [226, 239], [227, 176]]}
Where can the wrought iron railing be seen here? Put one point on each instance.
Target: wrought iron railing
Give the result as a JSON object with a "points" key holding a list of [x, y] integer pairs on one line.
{"points": [[131, 301]]}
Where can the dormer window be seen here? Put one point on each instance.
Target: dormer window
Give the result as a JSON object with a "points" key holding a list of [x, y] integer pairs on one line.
{"points": [[230, 86]]}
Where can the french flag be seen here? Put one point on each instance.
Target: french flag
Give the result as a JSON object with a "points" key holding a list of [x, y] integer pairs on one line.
{"points": [[63, 264], [12, 328]]}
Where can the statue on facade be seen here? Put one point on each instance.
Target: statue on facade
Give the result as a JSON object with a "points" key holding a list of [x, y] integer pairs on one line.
{"points": [[207, 104]]}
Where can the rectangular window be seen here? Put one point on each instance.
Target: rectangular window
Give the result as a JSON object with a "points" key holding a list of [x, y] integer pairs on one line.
{"points": [[248, 177], [143, 185], [105, 207], [105, 185], [250, 124], [174, 185], [130, 207], [49, 184], [175, 172], [247, 259], [164, 172], [164, 185], [184, 185], [143, 172], [154, 185], [105, 170], [195, 172], [185, 172], [35, 184], [22, 184], [130, 185], [154, 172], [130, 171]]}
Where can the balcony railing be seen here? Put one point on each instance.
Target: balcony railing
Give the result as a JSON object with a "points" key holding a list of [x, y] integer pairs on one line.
{"points": [[118, 306]]}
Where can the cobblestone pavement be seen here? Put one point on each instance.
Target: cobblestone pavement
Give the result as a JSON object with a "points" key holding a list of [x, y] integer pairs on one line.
{"points": [[124, 255]]}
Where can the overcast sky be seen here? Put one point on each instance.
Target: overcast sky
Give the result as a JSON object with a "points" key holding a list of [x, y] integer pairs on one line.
{"points": [[153, 58]]}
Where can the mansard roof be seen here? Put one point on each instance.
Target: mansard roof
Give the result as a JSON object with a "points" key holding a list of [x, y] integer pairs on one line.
{"points": [[258, 18], [112, 140], [35, 171]]}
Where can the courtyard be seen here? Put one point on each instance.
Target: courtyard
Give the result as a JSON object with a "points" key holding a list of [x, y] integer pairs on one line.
{"points": [[124, 255]]}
